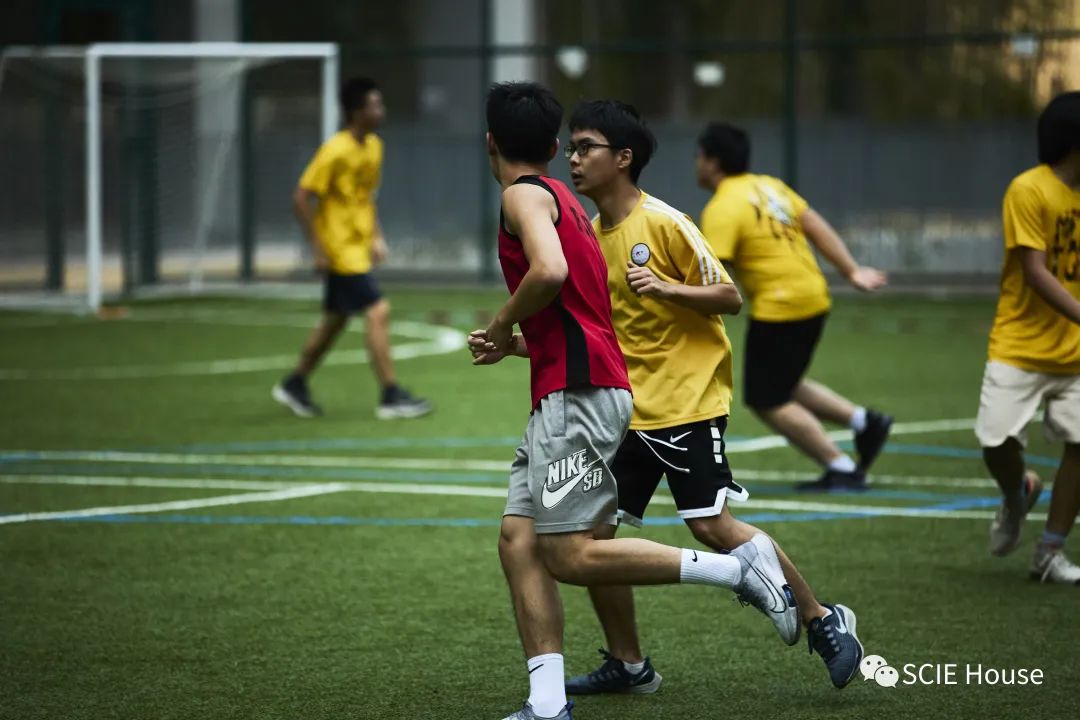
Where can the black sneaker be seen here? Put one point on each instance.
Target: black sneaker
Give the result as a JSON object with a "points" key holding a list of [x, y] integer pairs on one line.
{"points": [[398, 403], [613, 677], [834, 639], [836, 481], [869, 442], [292, 392]]}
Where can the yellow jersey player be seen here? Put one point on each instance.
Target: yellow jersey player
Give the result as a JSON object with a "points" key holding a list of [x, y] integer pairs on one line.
{"points": [[1034, 354], [668, 295], [760, 227], [335, 204]]}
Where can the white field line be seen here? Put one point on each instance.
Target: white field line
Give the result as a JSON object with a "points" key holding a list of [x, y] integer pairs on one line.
{"points": [[431, 340], [770, 442], [935, 481], [148, 482], [412, 489], [219, 501]]}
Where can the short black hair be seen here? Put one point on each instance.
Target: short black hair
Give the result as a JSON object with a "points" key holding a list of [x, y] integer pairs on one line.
{"points": [[623, 127], [524, 120], [354, 94], [728, 145], [1059, 128]]}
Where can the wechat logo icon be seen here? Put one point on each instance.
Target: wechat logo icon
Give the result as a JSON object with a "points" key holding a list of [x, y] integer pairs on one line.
{"points": [[876, 668]]}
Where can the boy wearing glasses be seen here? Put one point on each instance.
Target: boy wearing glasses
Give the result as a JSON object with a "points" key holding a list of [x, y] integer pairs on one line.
{"points": [[562, 493], [668, 293]]}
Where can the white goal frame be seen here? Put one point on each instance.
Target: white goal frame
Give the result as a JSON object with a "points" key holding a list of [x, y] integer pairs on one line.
{"points": [[326, 52]]}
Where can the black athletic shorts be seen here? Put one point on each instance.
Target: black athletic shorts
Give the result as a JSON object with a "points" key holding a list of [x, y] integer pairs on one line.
{"points": [[694, 459], [349, 294], [776, 358]]}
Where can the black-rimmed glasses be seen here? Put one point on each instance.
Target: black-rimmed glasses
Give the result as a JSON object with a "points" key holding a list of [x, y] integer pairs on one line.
{"points": [[583, 148]]}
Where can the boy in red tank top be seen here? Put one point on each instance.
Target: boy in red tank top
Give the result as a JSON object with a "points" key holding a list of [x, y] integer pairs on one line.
{"points": [[561, 485]]}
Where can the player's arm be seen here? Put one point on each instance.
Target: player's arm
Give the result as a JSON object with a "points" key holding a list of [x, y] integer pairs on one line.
{"points": [[819, 232], [530, 213], [379, 249], [720, 298], [1046, 286], [305, 207]]}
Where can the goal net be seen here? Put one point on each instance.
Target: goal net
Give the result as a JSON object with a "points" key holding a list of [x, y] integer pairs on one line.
{"points": [[136, 168]]}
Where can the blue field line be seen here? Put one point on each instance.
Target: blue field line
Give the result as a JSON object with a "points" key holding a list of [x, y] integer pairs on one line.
{"points": [[346, 444], [419, 476], [951, 452], [400, 522]]}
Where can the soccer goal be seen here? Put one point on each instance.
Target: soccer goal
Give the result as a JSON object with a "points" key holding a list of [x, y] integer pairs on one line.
{"points": [[137, 168]]}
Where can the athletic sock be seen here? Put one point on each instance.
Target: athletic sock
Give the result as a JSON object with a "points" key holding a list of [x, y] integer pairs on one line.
{"points": [[547, 685], [634, 668], [705, 568], [1051, 540], [842, 463], [858, 419]]}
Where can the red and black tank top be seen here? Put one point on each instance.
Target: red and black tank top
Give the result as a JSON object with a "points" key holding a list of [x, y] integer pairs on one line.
{"points": [[571, 342]]}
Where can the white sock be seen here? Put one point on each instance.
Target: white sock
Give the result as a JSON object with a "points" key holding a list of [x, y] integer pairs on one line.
{"points": [[844, 463], [858, 419], [634, 668], [547, 684], [706, 568]]}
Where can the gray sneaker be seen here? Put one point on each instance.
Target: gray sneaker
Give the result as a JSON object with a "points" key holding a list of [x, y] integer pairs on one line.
{"points": [[764, 586], [527, 713], [1006, 528], [613, 677], [834, 639]]}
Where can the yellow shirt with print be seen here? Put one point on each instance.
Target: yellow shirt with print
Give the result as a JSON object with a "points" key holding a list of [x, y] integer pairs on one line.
{"points": [[345, 174], [679, 360], [1043, 213], [754, 222]]}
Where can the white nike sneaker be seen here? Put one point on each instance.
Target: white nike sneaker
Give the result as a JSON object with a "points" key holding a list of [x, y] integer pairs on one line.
{"points": [[764, 586], [1006, 527], [1052, 566]]}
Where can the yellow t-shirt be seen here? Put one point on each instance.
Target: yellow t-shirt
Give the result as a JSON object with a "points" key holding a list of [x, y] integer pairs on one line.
{"points": [[345, 175], [679, 360], [1040, 212], [754, 222]]}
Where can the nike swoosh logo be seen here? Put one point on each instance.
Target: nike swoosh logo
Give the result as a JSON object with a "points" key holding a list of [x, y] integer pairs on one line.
{"points": [[840, 626], [694, 559], [779, 603], [550, 499], [536, 668], [676, 439]]}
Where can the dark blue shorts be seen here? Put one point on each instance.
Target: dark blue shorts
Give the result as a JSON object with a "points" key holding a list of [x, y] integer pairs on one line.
{"points": [[349, 294]]}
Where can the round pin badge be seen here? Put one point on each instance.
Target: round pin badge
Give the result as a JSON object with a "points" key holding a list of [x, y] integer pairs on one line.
{"points": [[640, 254]]}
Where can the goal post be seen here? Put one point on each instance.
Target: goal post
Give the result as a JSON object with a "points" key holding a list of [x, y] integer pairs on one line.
{"points": [[165, 165], [327, 53]]}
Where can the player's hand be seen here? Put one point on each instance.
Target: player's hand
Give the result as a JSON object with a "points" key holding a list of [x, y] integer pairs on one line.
{"points": [[483, 350], [867, 279], [321, 260], [643, 282], [500, 334], [379, 251]]}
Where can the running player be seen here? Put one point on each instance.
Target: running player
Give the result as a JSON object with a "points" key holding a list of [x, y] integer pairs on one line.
{"points": [[668, 293], [1034, 354], [760, 227], [335, 204], [562, 494]]}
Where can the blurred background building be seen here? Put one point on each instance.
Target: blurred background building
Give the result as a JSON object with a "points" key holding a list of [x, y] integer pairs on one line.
{"points": [[901, 121]]}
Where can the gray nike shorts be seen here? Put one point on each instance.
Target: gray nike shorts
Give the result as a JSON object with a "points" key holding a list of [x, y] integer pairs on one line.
{"points": [[561, 476]]}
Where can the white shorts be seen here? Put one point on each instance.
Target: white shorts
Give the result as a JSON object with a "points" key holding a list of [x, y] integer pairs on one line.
{"points": [[1011, 397]]}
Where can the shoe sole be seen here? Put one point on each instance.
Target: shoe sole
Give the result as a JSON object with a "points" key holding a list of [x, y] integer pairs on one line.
{"points": [[281, 396], [1032, 498], [644, 689], [765, 547], [384, 413], [850, 620]]}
